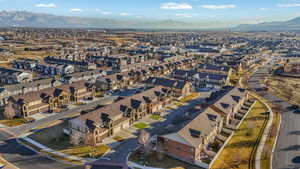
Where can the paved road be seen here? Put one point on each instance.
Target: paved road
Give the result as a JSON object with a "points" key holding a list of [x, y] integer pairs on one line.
{"points": [[24, 158], [287, 151], [25, 128], [21, 156]]}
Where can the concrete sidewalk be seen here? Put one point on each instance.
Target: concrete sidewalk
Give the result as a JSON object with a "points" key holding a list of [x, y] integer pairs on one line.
{"points": [[133, 164], [49, 150], [263, 140]]}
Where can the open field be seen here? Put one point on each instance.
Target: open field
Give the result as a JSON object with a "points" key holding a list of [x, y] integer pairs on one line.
{"points": [[286, 88], [240, 150]]}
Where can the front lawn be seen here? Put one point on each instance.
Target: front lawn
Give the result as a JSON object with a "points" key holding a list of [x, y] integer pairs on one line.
{"points": [[86, 151], [118, 138], [237, 152], [54, 138], [12, 122], [190, 97], [159, 160], [141, 125], [155, 117]]}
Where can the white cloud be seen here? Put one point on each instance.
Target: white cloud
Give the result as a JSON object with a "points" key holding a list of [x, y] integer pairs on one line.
{"points": [[125, 14], [214, 7], [76, 10], [103, 12], [288, 5], [263, 9], [174, 5], [183, 15], [45, 5]]}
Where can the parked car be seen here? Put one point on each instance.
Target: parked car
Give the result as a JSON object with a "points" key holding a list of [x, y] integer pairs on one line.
{"points": [[293, 107], [29, 120], [90, 98]]}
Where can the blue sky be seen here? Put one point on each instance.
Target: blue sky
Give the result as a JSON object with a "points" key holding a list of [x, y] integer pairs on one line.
{"points": [[217, 13]]}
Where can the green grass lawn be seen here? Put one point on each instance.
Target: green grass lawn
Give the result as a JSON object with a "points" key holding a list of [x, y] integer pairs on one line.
{"points": [[155, 117], [242, 143], [190, 97], [118, 138], [141, 125]]}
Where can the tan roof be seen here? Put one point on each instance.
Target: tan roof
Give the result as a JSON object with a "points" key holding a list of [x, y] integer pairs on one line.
{"points": [[200, 127], [119, 107], [229, 100]]}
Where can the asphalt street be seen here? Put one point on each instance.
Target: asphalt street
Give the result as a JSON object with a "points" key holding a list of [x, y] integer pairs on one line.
{"points": [[23, 157], [287, 151]]}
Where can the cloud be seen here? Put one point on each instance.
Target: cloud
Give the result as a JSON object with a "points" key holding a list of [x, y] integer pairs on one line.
{"points": [[174, 5], [45, 5], [103, 12], [214, 7], [76, 10], [125, 14], [263, 9], [183, 15], [288, 5]]}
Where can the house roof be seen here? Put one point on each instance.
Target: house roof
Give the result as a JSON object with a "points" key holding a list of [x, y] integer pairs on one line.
{"points": [[229, 98], [122, 106], [195, 131], [178, 84]]}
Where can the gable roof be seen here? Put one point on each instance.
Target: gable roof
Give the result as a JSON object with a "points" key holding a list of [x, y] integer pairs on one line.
{"points": [[195, 131]]}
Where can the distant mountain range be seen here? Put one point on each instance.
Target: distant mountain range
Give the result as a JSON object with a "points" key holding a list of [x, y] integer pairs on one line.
{"points": [[290, 25], [29, 19], [41, 20]]}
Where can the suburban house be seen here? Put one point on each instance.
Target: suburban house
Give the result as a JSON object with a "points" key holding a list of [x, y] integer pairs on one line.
{"points": [[227, 101], [79, 66], [179, 88], [50, 98], [12, 76], [104, 122], [191, 142], [201, 79], [29, 104], [215, 69], [24, 63]]}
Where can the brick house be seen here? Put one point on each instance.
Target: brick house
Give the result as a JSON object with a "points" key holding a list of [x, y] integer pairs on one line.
{"points": [[190, 142]]}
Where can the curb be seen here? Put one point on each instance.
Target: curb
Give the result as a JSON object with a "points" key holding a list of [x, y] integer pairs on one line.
{"points": [[275, 143], [264, 137]]}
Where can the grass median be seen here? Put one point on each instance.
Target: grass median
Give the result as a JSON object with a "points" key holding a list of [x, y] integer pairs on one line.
{"points": [[239, 150]]}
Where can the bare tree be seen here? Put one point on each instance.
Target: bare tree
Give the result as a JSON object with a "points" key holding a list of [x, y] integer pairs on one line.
{"points": [[143, 139], [237, 159], [159, 152], [89, 140], [250, 126], [277, 108], [273, 131], [75, 138], [267, 152], [9, 111]]}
